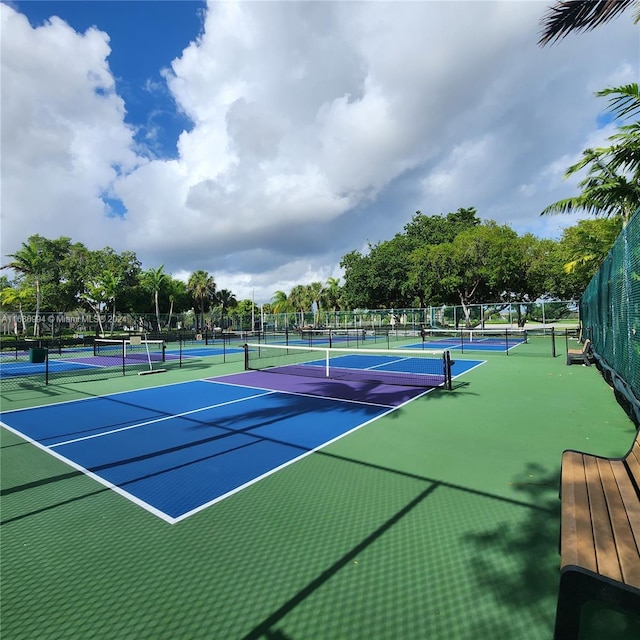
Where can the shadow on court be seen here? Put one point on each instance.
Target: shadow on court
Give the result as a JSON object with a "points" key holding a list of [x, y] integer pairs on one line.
{"points": [[528, 581]]}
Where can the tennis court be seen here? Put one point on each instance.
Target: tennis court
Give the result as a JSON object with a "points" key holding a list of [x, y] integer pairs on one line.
{"points": [[177, 449], [103, 354], [426, 513]]}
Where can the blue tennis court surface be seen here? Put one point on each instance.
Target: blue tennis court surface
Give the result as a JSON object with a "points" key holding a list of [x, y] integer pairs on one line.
{"points": [[10, 369], [179, 448]]}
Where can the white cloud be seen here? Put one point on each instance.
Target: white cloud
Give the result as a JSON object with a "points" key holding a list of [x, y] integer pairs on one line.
{"points": [[316, 127], [63, 135]]}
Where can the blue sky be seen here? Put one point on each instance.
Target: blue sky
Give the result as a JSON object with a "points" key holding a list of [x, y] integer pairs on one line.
{"points": [[137, 64], [262, 141]]}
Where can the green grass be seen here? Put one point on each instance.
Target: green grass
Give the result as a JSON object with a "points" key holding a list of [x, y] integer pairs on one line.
{"points": [[437, 521]]}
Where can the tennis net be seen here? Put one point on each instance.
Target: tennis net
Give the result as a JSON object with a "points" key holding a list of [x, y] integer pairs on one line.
{"points": [[130, 349], [400, 367], [470, 338]]}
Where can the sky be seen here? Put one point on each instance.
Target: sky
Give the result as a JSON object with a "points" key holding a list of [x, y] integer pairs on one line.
{"points": [[262, 141]]}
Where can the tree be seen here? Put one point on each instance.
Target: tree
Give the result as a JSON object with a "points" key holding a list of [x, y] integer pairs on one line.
{"points": [[438, 229], [110, 282], [314, 293], [177, 294], [246, 311], [202, 287], [95, 296], [153, 280], [17, 296], [624, 153], [280, 302], [331, 293], [227, 301], [612, 183], [31, 262], [604, 192], [481, 263], [584, 246], [356, 280], [580, 15], [299, 300]]}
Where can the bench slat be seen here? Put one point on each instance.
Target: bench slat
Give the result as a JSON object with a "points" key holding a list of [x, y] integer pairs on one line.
{"points": [[615, 482], [577, 547], [630, 552], [606, 556]]}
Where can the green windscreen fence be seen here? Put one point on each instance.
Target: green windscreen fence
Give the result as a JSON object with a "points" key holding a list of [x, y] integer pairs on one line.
{"points": [[610, 313]]}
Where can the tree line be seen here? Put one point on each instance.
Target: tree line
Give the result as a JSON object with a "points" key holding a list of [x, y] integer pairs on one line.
{"points": [[440, 259]]}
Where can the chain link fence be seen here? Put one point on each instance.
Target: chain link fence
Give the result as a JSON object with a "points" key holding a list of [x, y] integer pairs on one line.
{"points": [[610, 316]]}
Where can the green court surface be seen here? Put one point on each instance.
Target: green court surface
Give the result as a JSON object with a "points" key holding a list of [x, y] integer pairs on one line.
{"points": [[437, 521]]}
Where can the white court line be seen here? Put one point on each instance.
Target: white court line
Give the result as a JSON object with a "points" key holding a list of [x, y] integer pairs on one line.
{"points": [[162, 419], [308, 395]]}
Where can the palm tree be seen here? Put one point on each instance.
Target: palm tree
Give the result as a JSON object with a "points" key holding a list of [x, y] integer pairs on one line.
{"points": [[314, 294], [624, 102], [226, 300], [202, 287], [176, 288], [280, 302], [30, 261], [94, 295], [11, 296], [153, 279], [299, 300], [604, 192], [331, 293], [566, 16], [110, 283], [612, 184]]}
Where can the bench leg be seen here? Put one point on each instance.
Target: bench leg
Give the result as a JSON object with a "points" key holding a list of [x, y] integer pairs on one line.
{"points": [[578, 587]]}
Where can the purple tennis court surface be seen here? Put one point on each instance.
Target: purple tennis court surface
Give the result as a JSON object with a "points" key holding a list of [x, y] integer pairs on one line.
{"points": [[361, 391]]}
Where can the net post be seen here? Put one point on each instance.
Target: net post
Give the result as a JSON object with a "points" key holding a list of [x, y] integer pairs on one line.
{"points": [[124, 358], [553, 342], [506, 340], [46, 366], [446, 356], [246, 357]]}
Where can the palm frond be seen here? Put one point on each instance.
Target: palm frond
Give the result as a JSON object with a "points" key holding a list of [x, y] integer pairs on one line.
{"points": [[625, 100], [578, 15]]}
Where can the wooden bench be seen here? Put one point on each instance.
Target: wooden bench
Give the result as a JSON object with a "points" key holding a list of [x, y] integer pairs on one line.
{"points": [[600, 536], [581, 356]]}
